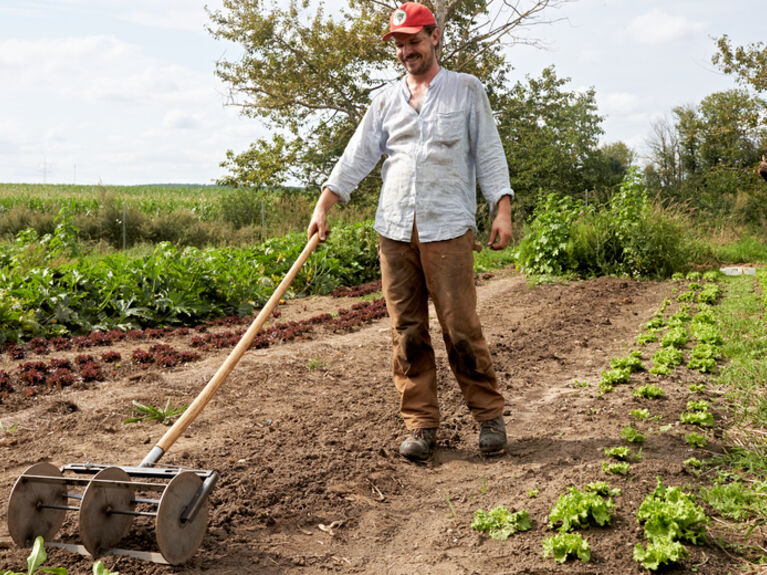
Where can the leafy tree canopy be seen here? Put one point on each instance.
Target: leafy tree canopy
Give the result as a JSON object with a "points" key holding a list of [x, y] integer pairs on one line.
{"points": [[747, 63], [309, 75]]}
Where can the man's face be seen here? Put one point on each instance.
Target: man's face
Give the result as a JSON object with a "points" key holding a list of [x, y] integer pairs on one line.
{"points": [[417, 52]]}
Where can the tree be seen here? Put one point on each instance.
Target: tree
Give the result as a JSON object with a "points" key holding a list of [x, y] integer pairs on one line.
{"points": [[707, 158], [551, 137], [310, 76], [748, 64], [664, 172]]}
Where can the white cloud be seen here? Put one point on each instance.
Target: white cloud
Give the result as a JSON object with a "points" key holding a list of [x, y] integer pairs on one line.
{"points": [[180, 120], [658, 27], [621, 103]]}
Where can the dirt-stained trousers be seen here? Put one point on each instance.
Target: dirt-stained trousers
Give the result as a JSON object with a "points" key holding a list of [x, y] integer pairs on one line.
{"points": [[411, 272]]}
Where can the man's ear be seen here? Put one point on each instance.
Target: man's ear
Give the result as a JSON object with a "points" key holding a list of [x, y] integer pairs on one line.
{"points": [[435, 37]]}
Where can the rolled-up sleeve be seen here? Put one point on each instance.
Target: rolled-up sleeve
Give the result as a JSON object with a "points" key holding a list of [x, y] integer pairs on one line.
{"points": [[359, 158], [489, 157]]}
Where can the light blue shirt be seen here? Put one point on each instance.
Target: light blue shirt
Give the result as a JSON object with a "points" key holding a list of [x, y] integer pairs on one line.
{"points": [[434, 158]]}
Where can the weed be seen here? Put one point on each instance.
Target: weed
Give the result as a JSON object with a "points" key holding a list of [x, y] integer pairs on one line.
{"points": [[9, 429], [315, 363], [736, 500], [450, 505], [164, 415]]}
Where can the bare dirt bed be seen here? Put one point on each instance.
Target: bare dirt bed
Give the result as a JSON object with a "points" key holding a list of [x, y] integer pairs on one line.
{"points": [[305, 436]]}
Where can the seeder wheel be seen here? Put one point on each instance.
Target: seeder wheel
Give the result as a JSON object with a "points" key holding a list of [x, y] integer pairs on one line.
{"points": [[178, 541], [28, 513], [100, 527]]}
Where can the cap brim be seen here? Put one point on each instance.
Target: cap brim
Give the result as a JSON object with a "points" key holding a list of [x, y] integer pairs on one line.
{"points": [[403, 30]]}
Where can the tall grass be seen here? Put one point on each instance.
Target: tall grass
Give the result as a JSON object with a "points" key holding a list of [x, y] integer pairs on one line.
{"points": [[200, 216]]}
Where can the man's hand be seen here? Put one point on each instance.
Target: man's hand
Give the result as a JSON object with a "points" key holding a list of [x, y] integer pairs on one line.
{"points": [[319, 221], [500, 232]]}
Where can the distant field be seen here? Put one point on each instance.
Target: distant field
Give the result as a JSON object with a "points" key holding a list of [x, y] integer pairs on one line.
{"points": [[149, 199]]}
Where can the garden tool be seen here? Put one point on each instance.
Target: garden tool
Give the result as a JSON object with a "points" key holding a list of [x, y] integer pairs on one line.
{"points": [[109, 497]]}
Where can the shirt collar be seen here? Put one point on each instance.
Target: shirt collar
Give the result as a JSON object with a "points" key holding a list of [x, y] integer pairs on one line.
{"points": [[434, 82]]}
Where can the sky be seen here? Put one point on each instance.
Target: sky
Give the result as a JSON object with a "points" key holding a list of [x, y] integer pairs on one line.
{"points": [[123, 92]]}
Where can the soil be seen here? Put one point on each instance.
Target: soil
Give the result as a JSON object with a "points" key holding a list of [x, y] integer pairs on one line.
{"points": [[305, 436]]}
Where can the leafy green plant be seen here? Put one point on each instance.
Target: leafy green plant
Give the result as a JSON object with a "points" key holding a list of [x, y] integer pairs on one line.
{"points": [[533, 492], [695, 439], [602, 488], [621, 468], [643, 413], [619, 453], [710, 294], [578, 509], [665, 359], [544, 247], [633, 362], [686, 296], [701, 418], [736, 500], [676, 337], [100, 569], [565, 545], [693, 462], [657, 322], [36, 558], [696, 387], [649, 391], [163, 415], [647, 337], [669, 516], [9, 429], [315, 363], [632, 435], [706, 333], [500, 523], [613, 377], [693, 276]]}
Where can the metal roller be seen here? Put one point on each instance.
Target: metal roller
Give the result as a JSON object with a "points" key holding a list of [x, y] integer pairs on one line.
{"points": [[110, 498]]}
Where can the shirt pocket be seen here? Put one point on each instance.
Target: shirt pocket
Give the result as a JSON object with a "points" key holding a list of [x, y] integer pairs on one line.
{"points": [[449, 128]]}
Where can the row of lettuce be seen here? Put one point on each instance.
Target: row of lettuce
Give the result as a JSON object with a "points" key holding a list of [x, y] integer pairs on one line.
{"points": [[731, 323]]}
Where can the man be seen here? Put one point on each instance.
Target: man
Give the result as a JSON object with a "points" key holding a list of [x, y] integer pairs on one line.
{"points": [[436, 130]]}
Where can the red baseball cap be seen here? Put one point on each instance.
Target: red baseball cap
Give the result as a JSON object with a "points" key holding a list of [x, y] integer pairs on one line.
{"points": [[409, 18]]}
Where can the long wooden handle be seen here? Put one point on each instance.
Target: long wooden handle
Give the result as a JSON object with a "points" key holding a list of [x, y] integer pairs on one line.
{"points": [[242, 346]]}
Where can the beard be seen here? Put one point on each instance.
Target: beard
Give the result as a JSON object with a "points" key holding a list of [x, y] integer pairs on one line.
{"points": [[418, 64]]}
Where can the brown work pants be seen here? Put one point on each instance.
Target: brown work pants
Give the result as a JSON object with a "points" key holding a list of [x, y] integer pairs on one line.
{"points": [[411, 272]]}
